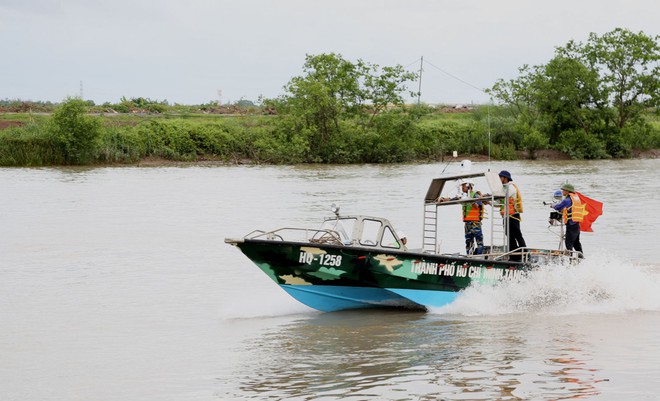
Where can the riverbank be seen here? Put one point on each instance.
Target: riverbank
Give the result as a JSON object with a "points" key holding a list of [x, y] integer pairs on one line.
{"points": [[403, 136], [545, 155]]}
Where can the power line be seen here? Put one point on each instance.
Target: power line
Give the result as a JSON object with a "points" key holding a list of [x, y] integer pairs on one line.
{"points": [[456, 78], [414, 62]]}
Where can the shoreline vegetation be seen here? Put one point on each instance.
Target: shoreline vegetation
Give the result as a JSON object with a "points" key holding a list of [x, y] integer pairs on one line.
{"points": [[247, 134], [594, 100], [254, 135]]}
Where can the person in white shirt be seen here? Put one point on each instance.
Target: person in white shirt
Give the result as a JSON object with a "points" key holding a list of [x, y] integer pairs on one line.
{"points": [[515, 236]]}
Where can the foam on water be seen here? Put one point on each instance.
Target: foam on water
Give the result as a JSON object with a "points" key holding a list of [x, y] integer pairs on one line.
{"points": [[600, 284]]}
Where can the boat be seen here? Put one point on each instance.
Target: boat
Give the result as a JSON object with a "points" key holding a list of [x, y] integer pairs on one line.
{"points": [[359, 261]]}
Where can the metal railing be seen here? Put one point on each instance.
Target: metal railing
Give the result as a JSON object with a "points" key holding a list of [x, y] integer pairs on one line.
{"points": [[314, 236], [536, 255]]}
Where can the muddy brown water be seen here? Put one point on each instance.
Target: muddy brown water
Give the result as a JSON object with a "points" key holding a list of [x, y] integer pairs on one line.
{"points": [[116, 285]]}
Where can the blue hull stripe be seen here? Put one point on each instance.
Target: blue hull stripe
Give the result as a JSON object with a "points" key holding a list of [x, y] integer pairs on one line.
{"points": [[333, 298], [427, 298]]}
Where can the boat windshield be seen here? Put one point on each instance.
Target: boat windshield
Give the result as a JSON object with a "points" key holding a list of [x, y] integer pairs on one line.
{"points": [[344, 226]]}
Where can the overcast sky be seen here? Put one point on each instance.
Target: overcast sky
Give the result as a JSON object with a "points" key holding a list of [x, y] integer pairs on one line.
{"points": [[187, 51]]}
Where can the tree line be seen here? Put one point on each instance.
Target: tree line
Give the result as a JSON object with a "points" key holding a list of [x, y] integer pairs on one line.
{"points": [[597, 99], [590, 100]]}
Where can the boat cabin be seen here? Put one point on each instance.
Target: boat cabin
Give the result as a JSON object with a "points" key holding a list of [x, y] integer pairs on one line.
{"points": [[362, 230]]}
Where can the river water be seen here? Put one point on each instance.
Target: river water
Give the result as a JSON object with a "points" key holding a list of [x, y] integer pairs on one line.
{"points": [[115, 284]]}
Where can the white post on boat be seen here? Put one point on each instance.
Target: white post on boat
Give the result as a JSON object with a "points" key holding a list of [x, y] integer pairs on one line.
{"points": [[505, 206], [488, 117], [419, 91]]}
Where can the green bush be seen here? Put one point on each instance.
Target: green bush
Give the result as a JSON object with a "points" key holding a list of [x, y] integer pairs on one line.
{"points": [[121, 145], [617, 147], [30, 145], [392, 139], [534, 140], [277, 147], [503, 152], [438, 138], [579, 145], [74, 133], [428, 144], [642, 136], [474, 138], [506, 131], [168, 139]]}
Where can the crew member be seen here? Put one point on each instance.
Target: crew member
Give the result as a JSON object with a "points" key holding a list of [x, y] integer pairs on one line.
{"points": [[515, 208], [473, 214], [572, 210]]}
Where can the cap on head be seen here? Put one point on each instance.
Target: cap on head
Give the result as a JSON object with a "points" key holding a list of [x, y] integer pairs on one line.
{"points": [[568, 187], [506, 174]]}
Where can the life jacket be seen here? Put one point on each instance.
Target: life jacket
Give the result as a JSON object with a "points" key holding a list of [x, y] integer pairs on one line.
{"points": [[471, 212], [576, 211], [515, 205]]}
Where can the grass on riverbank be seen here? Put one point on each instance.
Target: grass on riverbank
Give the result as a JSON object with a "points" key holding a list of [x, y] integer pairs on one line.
{"points": [[27, 138]]}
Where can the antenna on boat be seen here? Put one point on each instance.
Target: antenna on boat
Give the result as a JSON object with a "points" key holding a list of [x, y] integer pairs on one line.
{"points": [[421, 68], [488, 118], [454, 155]]}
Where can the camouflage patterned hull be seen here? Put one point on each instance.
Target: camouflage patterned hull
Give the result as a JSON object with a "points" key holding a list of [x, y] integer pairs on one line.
{"points": [[335, 277]]}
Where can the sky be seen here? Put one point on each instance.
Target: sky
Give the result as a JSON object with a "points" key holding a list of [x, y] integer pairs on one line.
{"points": [[198, 51]]}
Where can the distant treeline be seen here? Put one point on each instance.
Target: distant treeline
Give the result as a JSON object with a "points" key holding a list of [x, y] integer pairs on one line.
{"points": [[137, 105], [70, 136]]}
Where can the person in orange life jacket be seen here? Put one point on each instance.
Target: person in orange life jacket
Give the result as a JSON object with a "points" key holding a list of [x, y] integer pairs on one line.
{"points": [[515, 236], [473, 213], [573, 213]]}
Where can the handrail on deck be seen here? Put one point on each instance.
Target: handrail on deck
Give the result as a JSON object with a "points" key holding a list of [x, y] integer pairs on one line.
{"points": [[526, 252], [315, 236]]}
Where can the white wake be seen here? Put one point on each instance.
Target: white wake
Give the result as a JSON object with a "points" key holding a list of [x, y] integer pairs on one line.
{"points": [[600, 284]]}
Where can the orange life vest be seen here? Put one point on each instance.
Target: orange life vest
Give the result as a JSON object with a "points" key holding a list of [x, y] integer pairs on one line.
{"points": [[515, 205], [576, 211], [471, 212]]}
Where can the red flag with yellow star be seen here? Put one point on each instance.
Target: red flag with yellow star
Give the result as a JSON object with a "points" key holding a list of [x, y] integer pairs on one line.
{"points": [[593, 209]]}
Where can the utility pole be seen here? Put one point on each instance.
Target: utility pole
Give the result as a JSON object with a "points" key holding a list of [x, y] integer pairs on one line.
{"points": [[81, 91], [421, 68]]}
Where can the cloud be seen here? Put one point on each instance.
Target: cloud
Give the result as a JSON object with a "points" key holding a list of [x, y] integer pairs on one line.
{"points": [[186, 51]]}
